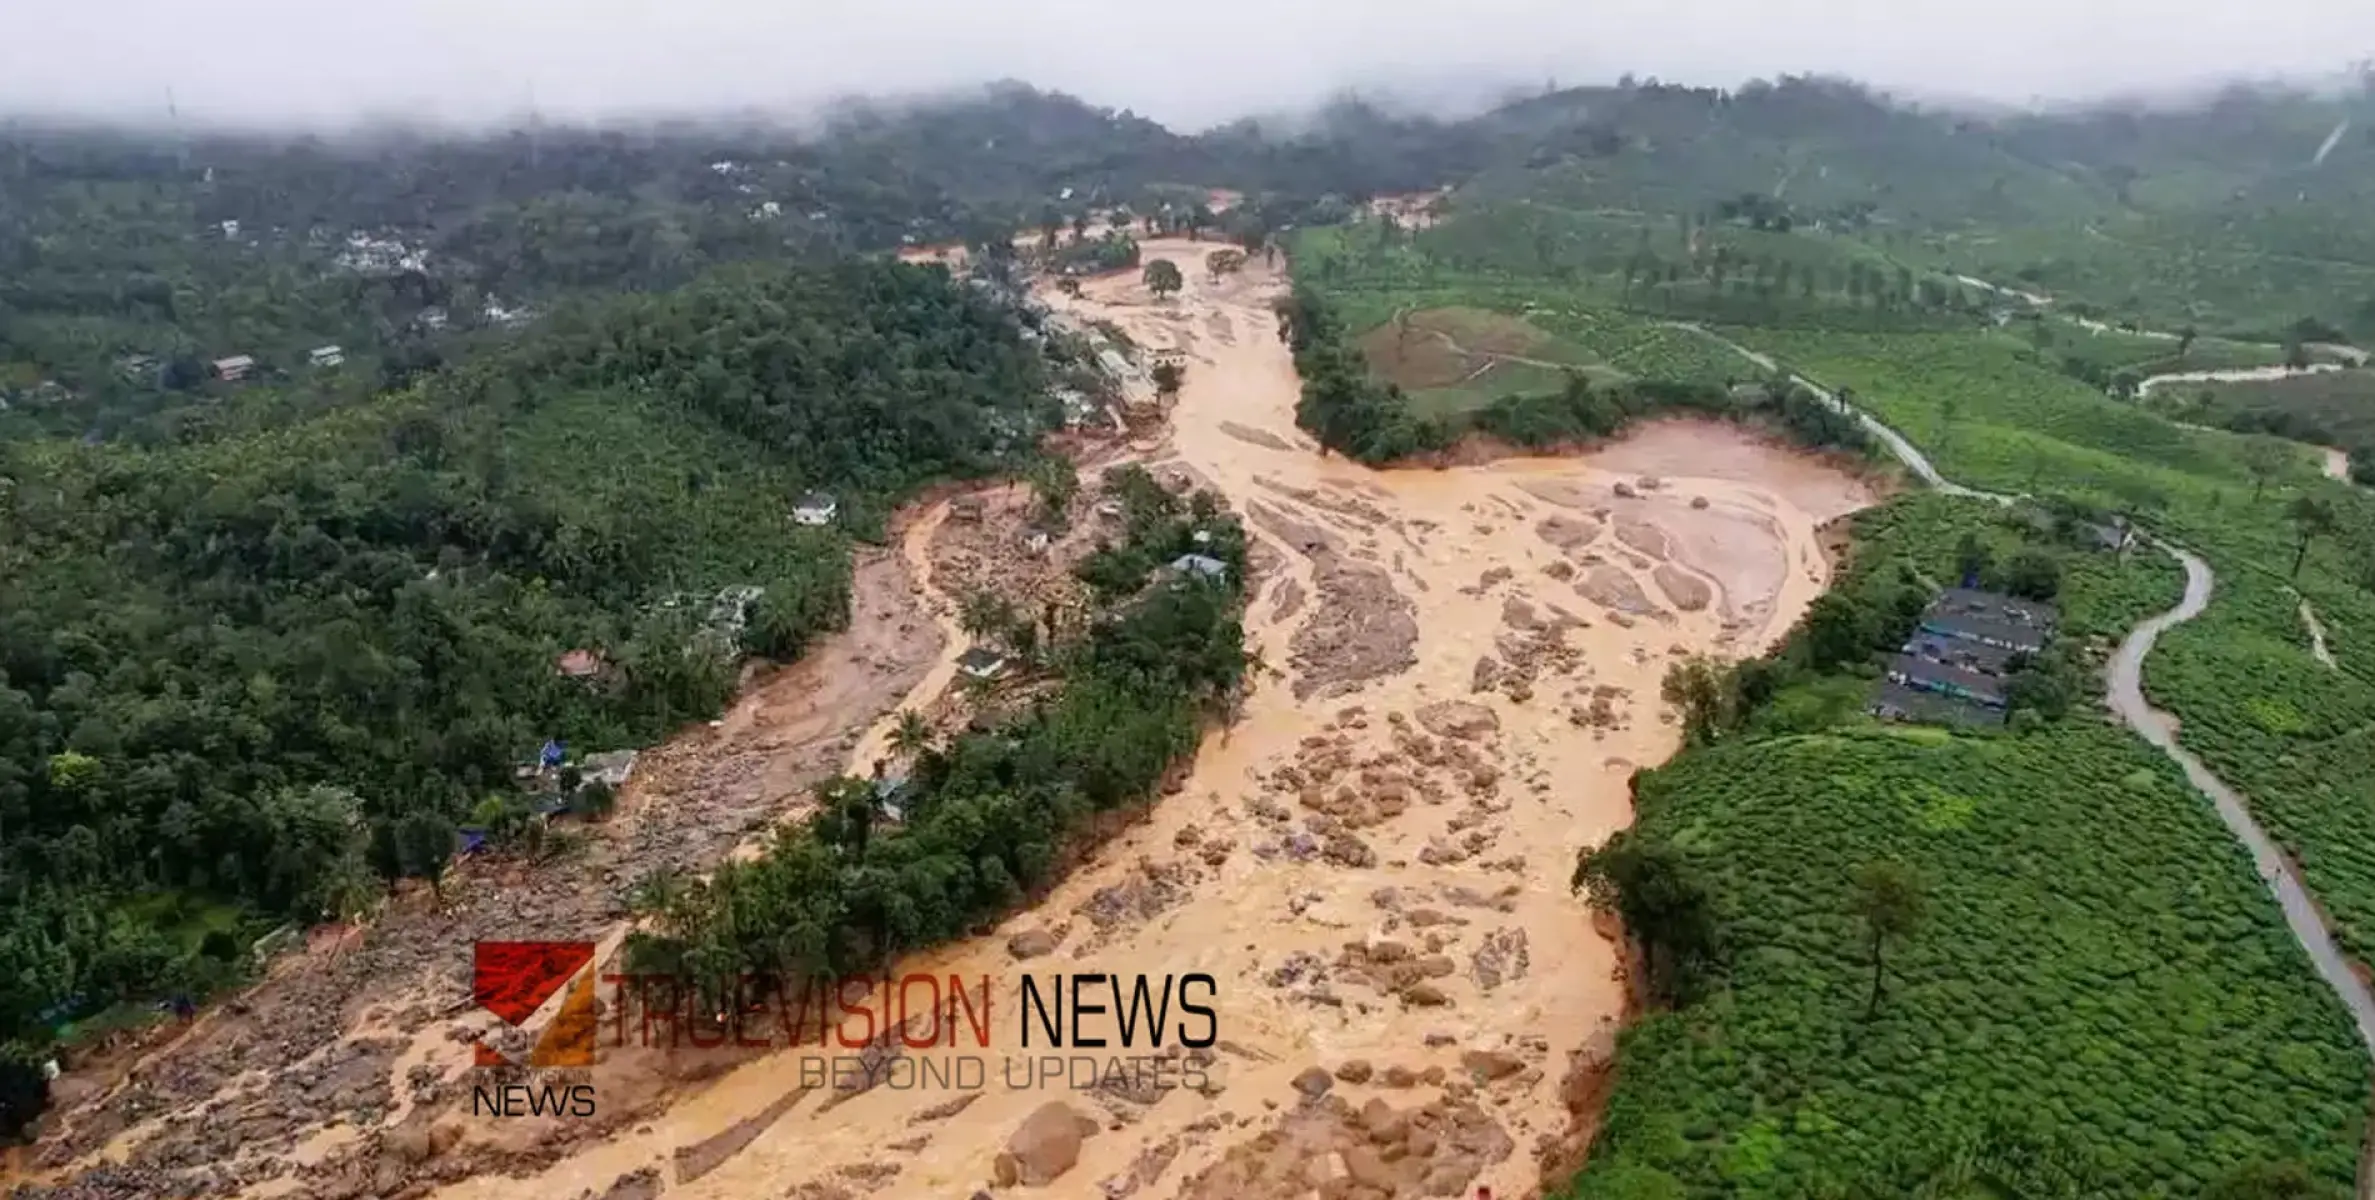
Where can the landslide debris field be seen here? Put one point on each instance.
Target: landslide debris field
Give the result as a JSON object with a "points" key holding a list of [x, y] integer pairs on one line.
{"points": [[1461, 670]]}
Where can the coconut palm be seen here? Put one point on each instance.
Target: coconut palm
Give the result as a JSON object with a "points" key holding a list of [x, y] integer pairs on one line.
{"points": [[912, 736]]}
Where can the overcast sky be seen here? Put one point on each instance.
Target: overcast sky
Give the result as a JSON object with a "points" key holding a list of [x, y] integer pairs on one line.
{"points": [[318, 62]]}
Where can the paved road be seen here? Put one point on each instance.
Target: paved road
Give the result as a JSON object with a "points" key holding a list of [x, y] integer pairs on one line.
{"points": [[2300, 912], [2127, 700]]}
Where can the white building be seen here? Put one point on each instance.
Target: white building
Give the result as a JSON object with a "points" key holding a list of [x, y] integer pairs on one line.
{"points": [[326, 356], [234, 368], [816, 508], [980, 662]]}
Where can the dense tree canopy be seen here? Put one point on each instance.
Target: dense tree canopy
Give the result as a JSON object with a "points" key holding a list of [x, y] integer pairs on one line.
{"points": [[222, 664]]}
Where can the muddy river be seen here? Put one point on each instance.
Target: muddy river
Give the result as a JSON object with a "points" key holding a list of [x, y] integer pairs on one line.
{"points": [[1372, 863], [1460, 671]]}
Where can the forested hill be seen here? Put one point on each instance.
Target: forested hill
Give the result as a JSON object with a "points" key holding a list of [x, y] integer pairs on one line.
{"points": [[131, 261], [266, 668]]}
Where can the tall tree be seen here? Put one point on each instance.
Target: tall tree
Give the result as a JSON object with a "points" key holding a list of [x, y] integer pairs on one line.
{"points": [[1162, 277], [912, 736], [425, 845], [1700, 688], [2312, 518], [1056, 481], [2265, 458], [1889, 900]]}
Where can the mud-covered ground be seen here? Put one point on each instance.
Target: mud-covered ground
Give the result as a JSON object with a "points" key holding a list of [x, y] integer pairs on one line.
{"points": [[1460, 673]]}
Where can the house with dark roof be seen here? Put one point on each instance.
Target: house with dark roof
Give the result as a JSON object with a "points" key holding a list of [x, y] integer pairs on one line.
{"points": [[1955, 667], [1926, 675]]}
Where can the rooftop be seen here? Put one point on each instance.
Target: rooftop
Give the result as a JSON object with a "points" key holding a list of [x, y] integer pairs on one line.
{"points": [[1905, 668], [1994, 606]]}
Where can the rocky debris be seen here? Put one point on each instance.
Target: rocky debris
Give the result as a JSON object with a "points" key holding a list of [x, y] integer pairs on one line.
{"points": [[1486, 1066], [1568, 534], [1425, 995], [1394, 968], [1650, 483], [644, 1184], [1353, 1070], [1314, 1082], [1361, 628], [1625, 490], [870, 1176], [1500, 958], [1044, 1146], [1032, 943], [1328, 1147], [1598, 710], [1459, 719], [1300, 967], [1462, 896], [1699, 502], [1484, 583], [1155, 888], [1487, 675], [1345, 850], [1147, 1169]]}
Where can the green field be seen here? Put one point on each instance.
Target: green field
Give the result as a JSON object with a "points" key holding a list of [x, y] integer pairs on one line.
{"points": [[2285, 730], [2100, 1000], [2336, 408]]}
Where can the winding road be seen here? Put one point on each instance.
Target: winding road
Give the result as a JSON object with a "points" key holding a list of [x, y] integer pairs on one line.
{"points": [[2126, 694], [2300, 911]]}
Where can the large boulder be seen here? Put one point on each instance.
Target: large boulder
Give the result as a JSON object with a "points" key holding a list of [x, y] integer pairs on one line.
{"points": [[1044, 1146], [1459, 719], [1031, 943]]}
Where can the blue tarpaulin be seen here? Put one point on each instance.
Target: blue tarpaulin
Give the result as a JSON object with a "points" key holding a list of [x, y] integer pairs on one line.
{"points": [[554, 752]]}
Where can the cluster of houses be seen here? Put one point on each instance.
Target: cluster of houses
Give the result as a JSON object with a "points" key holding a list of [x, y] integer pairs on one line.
{"points": [[1956, 666]]}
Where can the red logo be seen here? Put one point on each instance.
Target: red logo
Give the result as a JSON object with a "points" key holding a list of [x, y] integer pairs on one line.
{"points": [[513, 979]]}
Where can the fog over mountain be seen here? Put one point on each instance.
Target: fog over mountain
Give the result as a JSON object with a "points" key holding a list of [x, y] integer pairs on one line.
{"points": [[289, 62]]}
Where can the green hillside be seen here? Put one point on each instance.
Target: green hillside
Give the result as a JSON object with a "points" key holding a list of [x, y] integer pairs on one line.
{"points": [[236, 669]]}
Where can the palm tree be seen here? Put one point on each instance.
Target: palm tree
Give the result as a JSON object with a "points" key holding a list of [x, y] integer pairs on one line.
{"points": [[981, 613], [912, 736]]}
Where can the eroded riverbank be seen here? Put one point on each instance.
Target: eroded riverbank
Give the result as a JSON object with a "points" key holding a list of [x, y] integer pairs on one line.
{"points": [[1463, 671], [1372, 862]]}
